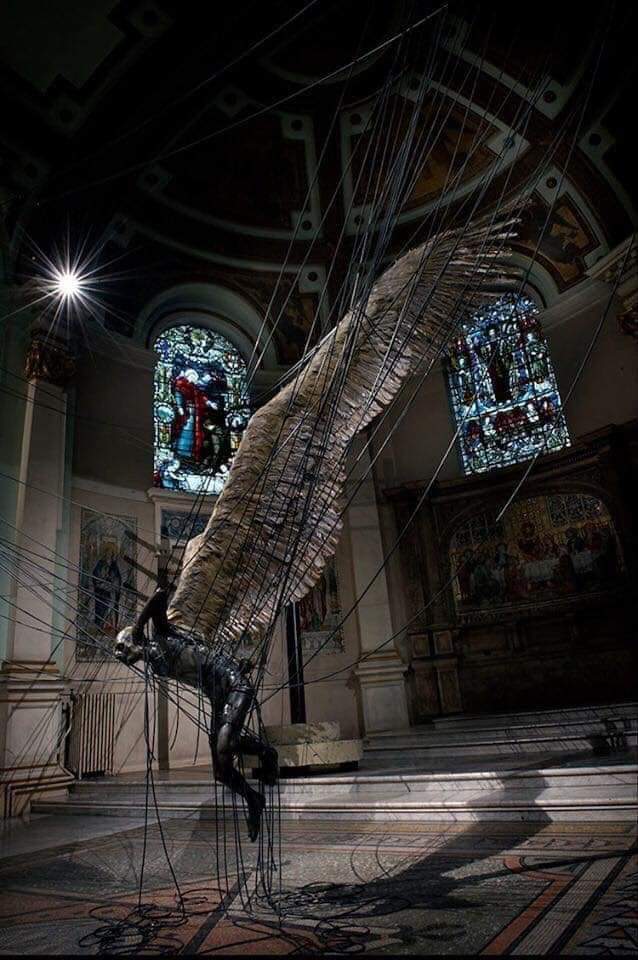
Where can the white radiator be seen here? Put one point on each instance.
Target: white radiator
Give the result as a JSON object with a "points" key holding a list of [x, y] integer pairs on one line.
{"points": [[92, 735]]}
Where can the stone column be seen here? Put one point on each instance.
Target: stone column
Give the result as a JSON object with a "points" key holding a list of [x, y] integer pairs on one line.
{"points": [[30, 684], [380, 673]]}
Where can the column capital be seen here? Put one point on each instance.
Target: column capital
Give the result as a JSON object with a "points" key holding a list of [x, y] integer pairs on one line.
{"points": [[49, 359]]}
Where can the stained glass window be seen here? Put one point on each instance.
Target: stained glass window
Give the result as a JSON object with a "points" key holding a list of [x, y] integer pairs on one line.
{"points": [[503, 388], [200, 408]]}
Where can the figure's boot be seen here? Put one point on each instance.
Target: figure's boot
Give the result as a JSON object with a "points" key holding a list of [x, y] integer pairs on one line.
{"points": [[256, 804]]}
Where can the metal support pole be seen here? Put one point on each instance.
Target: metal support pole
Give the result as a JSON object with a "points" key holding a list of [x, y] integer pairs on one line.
{"points": [[295, 665]]}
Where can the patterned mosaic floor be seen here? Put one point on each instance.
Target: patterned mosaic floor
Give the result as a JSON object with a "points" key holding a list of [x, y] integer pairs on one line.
{"points": [[467, 888]]}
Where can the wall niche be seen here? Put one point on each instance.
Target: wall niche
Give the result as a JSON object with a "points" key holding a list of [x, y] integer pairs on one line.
{"points": [[537, 603]]}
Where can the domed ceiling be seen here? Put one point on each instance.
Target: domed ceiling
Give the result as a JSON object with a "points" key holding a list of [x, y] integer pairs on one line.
{"points": [[123, 117]]}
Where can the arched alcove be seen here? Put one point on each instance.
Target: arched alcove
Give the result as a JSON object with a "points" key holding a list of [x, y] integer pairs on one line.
{"points": [[208, 305], [196, 433]]}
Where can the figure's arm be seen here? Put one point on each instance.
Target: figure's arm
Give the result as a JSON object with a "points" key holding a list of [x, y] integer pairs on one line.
{"points": [[131, 641]]}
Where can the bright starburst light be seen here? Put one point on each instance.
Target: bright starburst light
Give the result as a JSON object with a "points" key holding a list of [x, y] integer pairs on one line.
{"points": [[67, 283], [71, 284]]}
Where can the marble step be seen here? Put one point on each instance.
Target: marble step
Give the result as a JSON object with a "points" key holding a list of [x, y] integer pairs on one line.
{"points": [[425, 735], [565, 778], [587, 712], [499, 743], [603, 792], [551, 805], [529, 719], [411, 753]]}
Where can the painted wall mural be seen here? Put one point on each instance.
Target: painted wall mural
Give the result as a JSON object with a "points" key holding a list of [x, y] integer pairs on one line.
{"points": [[503, 389], [320, 614], [546, 548], [200, 408], [561, 236], [107, 593], [458, 153]]}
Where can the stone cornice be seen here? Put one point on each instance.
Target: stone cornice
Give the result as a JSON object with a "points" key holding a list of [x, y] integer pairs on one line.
{"points": [[587, 449]]}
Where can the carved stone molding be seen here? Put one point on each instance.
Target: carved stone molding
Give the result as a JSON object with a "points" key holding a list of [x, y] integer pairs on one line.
{"points": [[49, 359], [620, 267]]}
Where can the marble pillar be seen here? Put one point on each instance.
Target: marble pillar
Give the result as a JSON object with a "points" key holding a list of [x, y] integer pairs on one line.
{"points": [[31, 688], [380, 673]]}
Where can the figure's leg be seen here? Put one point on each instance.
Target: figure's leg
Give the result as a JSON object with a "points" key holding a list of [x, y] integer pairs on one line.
{"points": [[226, 742]]}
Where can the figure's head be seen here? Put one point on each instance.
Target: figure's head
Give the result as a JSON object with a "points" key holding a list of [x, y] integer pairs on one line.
{"points": [[127, 648], [109, 552]]}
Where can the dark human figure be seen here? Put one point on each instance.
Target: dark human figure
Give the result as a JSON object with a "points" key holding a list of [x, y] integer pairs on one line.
{"points": [[504, 427], [485, 587], [186, 657], [607, 561], [529, 543], [504, 571], [519, 422], [191, 407], [575, 541], [497, 359], [537, 358], [547, 411], [464, 573], [565, 574], [461, 364], [216, 434]]}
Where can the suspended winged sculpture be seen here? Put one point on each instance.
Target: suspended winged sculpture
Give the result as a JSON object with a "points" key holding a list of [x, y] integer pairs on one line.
{"points": [[278, 519]]}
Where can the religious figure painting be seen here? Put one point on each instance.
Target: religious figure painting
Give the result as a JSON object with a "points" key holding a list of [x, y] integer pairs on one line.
{"points": [[503, 389], [561, 236], [546, 548], [200, 408], [107, 592], [455, 152], [320, 615]]}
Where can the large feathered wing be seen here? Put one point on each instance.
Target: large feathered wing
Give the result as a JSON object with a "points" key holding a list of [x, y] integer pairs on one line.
{"points": [[279, 516]]}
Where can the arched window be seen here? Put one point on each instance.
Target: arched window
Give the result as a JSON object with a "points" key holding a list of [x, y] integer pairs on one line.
{"points": [[200, 408], [503, 389]]}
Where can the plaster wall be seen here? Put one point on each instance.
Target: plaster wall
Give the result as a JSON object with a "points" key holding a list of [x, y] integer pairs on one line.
{"points": [[114, 422]]}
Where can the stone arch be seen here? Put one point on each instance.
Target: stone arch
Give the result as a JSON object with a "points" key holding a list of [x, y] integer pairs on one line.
{"points": [[209, 305]]}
